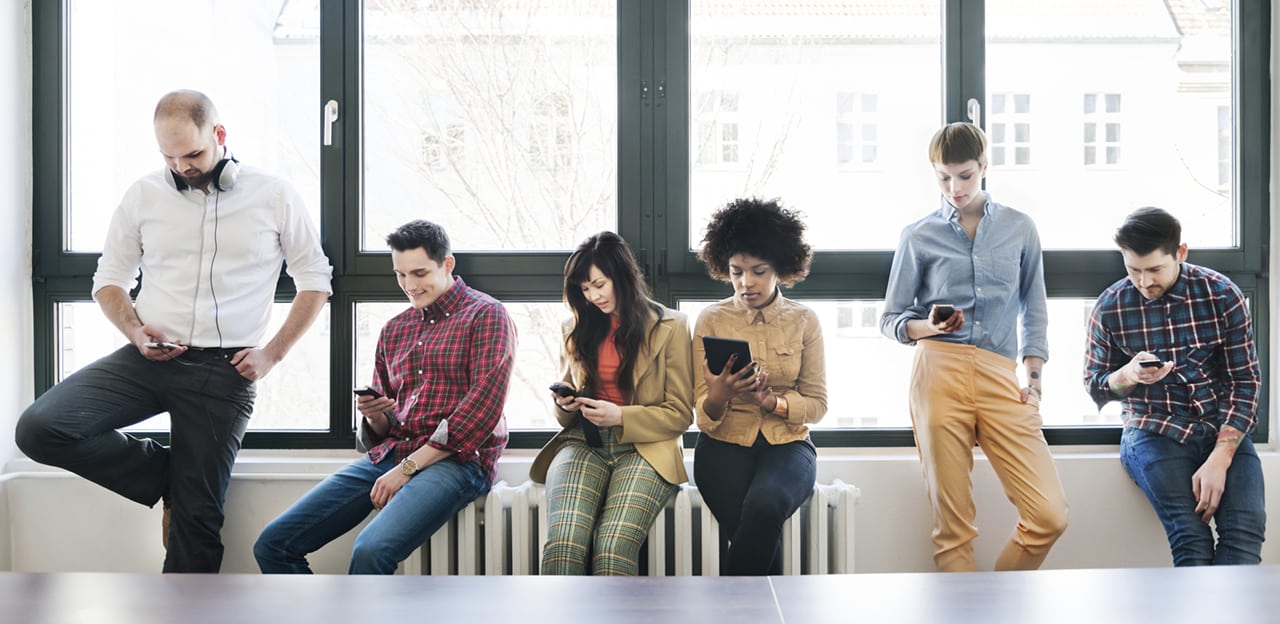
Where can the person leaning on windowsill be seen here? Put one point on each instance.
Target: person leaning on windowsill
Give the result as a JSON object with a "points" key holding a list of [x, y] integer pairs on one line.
{"points": [[1187, 419], [983, 259]]}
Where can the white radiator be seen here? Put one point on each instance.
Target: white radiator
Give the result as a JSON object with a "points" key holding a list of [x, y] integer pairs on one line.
{"points": [[503, 533]]}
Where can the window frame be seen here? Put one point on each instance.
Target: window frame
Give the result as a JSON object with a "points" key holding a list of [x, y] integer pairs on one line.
{"points": [[654, 129]]}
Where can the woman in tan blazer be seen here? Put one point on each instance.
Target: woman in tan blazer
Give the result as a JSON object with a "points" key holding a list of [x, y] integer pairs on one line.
{"points": [[624, 400]]}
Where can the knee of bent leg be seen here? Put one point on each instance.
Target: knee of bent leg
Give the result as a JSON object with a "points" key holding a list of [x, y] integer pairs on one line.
{"points": [[766, 509], [266, 548], [32, 434], [1051, 521], [370, 555]]}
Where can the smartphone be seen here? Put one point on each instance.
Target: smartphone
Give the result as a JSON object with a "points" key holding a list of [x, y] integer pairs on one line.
{"points": [[718, 350], [161, 345], [366, 391], [942, 312], [1151, 363], [564, 390]]}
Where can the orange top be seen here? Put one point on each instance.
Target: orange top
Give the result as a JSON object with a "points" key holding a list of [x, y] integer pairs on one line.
{"points": [[609, 362]]}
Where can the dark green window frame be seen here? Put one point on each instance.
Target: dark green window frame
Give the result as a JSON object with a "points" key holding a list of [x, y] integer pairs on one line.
{"points": [[653, 195]]}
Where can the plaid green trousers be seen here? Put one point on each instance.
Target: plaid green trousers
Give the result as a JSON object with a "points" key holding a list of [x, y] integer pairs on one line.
{"points": [[600, 505]]}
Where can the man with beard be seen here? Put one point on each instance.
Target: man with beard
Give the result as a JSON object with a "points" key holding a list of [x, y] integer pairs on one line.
{"points": [[209, 237]]}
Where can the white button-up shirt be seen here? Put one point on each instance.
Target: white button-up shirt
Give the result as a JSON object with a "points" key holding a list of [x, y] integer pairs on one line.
{"points": [[210, 262]]}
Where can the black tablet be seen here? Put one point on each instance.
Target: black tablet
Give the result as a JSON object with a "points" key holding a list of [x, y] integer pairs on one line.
{"points": [[718, 350]]}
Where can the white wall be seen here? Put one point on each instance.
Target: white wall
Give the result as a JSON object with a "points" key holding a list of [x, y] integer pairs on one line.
{"points": [[1111, 524], [16, 376]]}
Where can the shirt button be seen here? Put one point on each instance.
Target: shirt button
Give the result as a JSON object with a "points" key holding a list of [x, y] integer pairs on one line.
{"points": [[979, 323], [419, 372], [979, 290], [433, 322]]}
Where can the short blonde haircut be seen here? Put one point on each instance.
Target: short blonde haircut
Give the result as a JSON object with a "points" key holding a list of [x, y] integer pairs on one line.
{"points": [[957, 143]]}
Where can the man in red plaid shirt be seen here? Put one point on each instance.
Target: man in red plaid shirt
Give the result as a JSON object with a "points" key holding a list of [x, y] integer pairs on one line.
{"points": [[433, 423]]}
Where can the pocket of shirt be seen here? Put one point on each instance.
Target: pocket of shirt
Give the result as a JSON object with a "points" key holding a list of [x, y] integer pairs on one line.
{"points": [[1007, 267], [787, 357]]}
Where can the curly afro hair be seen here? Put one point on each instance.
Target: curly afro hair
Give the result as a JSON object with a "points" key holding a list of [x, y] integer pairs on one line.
{"points": [[760, 228]]}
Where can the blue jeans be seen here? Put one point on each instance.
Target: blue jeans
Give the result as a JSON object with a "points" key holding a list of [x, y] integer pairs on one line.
{"points": [[1162, 468], [751, 491], [74, 426], [341, 502]]}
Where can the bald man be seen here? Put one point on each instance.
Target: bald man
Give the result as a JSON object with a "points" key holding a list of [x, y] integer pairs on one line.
{"points": [[214, 234]]}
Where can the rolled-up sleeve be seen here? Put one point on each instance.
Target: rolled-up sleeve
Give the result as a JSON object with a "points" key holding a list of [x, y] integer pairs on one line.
{"points": [[305, 261], [900, 294], [122, 249], [1035, 307]]}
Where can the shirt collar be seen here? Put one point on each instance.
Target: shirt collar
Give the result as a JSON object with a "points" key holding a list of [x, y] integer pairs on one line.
{"points": [[448, 303], [950, 213], [768, 314]]}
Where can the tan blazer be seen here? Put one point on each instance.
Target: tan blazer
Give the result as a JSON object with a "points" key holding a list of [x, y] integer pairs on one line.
{"points": [[661, 407]]}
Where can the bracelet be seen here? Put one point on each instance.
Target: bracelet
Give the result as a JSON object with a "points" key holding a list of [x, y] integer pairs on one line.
{"points": [[1039, 392], [779, 406]]}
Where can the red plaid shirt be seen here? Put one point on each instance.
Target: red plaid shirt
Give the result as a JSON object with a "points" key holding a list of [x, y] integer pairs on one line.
{"points": [[450, 361]]}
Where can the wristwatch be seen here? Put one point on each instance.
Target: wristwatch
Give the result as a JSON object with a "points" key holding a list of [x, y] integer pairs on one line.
{"points": [[409, 467]]}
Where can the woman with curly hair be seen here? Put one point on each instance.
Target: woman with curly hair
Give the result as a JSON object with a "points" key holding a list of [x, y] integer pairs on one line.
{"points": [[625, 399], [754, 463]]}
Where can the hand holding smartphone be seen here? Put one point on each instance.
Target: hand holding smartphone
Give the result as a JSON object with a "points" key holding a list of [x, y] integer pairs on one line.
{"points": [[564, 390], [1151, 363], [366, 391], [161, 345], [589, 429], [941, 313]]}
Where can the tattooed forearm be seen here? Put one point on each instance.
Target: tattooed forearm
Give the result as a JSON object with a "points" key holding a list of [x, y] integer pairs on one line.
{"points": [[1229, 439]]}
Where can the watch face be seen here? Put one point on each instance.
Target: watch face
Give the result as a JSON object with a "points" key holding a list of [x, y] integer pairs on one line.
{"points": [[409, 467]]}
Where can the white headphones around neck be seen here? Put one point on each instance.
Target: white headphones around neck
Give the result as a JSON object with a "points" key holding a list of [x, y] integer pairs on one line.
{"points": [[224, 175]]}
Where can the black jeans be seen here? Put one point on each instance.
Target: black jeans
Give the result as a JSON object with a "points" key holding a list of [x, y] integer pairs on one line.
{"points": [[751, 491], [74, 426]]}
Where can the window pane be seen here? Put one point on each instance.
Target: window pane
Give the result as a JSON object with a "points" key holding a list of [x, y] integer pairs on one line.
{"points": [[1136, 70], [997, 104], [260, 66], [785, 62], [1022, 156], [535, 88], [292, 397], [537, 362], [1022, 103], [997, 156], [868, 375]]}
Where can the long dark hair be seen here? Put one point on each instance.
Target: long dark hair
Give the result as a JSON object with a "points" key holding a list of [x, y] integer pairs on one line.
{"points": [[609, 253]]}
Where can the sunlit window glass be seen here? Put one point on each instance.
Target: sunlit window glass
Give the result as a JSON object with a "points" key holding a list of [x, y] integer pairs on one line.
{"points": [[1129, 101], [258, 63], [828, 106], [500, 124]]}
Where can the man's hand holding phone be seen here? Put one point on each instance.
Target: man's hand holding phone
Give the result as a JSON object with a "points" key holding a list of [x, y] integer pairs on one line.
{"points": [[155, 347], [1146, 368], [375, 408]]}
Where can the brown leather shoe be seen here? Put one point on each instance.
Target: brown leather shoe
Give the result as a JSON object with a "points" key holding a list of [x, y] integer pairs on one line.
{"points": [[164, 524]]}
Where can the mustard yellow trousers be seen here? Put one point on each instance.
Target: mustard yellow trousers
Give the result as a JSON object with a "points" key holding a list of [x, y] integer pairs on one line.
{"points": [[961, 395]]}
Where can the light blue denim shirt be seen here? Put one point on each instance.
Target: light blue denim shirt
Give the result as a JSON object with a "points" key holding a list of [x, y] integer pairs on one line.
{"points": [[994, 279]]}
